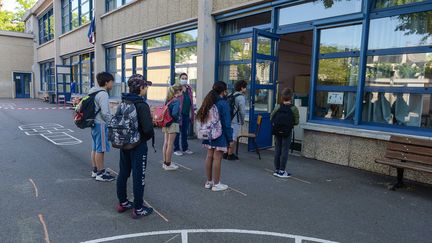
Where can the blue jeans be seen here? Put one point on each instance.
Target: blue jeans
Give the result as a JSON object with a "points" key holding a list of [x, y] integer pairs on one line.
{"points": [[282, 146], [184, 130], [134, 160]]}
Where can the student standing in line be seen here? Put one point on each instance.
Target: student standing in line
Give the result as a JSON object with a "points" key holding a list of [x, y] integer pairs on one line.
{"points": [[238, 116], [186, 117], [99, 131], [171, 129], [216, 147], [135, 159], [283, 119]]}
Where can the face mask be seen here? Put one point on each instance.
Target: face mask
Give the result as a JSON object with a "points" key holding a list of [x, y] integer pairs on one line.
{"points": [[183, 81]]}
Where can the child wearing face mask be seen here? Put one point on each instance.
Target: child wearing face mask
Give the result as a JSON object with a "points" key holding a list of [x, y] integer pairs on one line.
{"points": [[187, 117]]}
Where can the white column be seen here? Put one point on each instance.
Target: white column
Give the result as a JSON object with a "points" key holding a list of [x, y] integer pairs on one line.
{"points": [[99, 50], [206, 49]]}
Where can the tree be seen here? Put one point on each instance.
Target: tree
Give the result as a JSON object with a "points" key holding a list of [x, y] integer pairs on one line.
{"points": [[12, 21]]}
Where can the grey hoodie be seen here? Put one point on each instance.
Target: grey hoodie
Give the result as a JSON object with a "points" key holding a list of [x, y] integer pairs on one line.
{"points": [[102, 104]]}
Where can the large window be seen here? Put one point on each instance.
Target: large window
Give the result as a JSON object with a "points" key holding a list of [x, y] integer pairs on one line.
{"points": [[393, 3], [113, 4], [82, 70], [397, 79], [244, 25], [186, 56], [318, 9], [338, 72], [76, 13], [159, 66], [46, 27], [47, 82], [166, 57], [114, 66]]}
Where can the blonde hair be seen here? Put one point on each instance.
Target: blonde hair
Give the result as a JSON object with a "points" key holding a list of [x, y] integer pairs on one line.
{"points": [[173, 90]]}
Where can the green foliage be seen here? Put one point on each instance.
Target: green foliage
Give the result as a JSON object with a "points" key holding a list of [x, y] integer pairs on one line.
{"points": [[12, 21]]}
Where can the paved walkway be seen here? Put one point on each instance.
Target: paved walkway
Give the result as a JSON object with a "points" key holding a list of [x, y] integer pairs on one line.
{"points": [[47, 194]]}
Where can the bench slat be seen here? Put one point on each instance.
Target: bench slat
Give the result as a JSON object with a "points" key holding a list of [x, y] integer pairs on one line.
{"points": [[405, 165], [391, 154], [412, 149], [411, 141]]}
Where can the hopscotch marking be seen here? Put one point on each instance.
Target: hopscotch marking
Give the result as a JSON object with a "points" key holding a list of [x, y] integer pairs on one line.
{"points": [[53, 132], [184, 235]]}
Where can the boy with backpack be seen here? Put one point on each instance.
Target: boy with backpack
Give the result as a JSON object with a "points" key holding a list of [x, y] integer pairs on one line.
{"points": [[283, 119], [99, 129], [133, 115], [237, 101]]}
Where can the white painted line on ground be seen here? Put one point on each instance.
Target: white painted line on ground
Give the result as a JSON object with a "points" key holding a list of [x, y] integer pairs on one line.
{"points": [[171, 239], [184, 234], [292, 177], [41, 219], [34, 187], [73, 140], [154, 209], [238, 191]]}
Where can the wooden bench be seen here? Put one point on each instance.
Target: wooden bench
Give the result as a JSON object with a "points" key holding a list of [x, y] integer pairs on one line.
{"points": [[407, 153]]}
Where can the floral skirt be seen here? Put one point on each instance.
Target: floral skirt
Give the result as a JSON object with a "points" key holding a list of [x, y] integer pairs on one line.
{"points": [[222, 149]]}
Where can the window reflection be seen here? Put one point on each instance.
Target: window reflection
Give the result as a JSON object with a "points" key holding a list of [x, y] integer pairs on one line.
{"points": [[404, 70], [401, 109], [393, 3], [401, 31], [236, 50], [343, 39], [318, 9], [338, 71], [246, 24]]}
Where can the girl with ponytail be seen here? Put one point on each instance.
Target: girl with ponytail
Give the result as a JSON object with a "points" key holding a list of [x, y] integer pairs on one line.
{"points": [[216, 147]]}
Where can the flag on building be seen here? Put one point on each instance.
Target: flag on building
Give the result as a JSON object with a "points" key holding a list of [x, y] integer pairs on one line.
{"points": [[91, 32]]}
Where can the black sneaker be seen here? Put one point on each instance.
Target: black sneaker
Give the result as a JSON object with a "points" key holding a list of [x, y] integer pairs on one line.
{"points": [[232, 157], [144, 211], [104, 176], [123, 207]]}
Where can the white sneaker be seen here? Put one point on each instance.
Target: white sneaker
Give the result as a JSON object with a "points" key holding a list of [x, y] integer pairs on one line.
{"points": [[172, 166], [188, 152], [178, 153], [93, 174], [219, 187], [283, 174], [208, 185]]}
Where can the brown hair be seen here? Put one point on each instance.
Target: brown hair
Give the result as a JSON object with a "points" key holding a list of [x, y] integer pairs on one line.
{"points": [[286, 95], [218, 88]]}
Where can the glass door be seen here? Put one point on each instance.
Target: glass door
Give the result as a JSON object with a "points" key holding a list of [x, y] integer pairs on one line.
{"points": [[22, 85], [63, 80], [263, 85]]}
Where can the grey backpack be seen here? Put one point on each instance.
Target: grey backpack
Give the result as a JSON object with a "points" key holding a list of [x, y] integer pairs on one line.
{"points": [[123, 132]]}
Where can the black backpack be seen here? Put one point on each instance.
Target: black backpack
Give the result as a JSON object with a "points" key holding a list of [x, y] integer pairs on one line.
{"points": [[85, 113], [283, 121], [233, 107]]}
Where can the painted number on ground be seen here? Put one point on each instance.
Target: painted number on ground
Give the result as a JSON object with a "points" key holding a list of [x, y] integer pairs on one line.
{"points": [[53, 132]]}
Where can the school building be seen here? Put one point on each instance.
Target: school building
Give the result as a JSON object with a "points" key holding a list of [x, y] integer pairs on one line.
{"points": [[360, 70]]}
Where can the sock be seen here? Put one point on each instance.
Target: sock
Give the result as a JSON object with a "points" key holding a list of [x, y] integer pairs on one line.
{"points": [[101, 171], [95, 169], [167, 163]]}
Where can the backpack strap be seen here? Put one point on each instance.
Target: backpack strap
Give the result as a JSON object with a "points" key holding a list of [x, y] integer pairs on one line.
{"points": [[94, 94]]}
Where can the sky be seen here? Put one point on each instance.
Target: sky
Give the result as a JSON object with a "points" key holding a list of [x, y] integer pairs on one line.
{"points": [[9, 5]]}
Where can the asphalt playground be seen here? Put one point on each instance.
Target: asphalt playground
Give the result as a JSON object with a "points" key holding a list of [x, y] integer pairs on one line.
{"points": [[47, 194]]}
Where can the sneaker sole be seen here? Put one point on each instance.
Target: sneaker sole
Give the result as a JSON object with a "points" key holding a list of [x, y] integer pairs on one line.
{"points": [[219, 190], [104, 180]]}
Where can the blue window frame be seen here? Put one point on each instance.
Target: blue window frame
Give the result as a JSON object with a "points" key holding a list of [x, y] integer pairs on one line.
{"points": [[380, 83], [46, 27], [113, 4], [47, 80], [76, 13], [82, 71], [161, 59]]}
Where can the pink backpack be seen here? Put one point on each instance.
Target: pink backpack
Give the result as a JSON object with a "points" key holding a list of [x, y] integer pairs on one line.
{"points": [[161, 115], [212, 128]]}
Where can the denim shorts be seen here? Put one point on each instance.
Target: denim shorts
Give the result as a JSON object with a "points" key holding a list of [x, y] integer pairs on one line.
{"points": [[99, 134]]}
